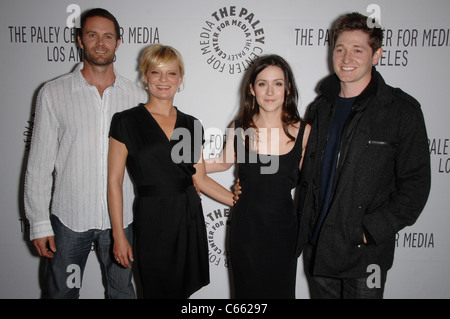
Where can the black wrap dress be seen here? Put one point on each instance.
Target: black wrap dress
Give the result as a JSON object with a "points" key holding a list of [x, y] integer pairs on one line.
{"points": [[170, 231]]}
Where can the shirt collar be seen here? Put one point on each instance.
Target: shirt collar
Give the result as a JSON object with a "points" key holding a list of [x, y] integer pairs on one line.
{"points": [[80, 82], [377, 87], [331, 87]]}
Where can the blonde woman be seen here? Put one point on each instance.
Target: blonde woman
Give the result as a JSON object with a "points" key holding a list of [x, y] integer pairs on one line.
{"points": [[162, 149]]}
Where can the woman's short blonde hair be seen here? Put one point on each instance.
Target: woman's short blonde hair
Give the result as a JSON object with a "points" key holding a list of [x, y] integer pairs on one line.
{"points": [[158, 55]]}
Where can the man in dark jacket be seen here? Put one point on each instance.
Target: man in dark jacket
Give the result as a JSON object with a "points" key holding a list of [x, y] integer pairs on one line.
{"points": [[366, 172]]}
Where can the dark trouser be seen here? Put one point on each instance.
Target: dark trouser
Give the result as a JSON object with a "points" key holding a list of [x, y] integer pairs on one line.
{"points": [[322, 287]]}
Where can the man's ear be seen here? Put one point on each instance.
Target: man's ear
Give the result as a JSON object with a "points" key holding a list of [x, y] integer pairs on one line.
{"points": [[377, 56], [80, 42], [118, 42]]}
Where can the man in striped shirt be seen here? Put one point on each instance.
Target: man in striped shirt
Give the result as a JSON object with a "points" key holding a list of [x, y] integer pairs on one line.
{"points": [[66, 177]]}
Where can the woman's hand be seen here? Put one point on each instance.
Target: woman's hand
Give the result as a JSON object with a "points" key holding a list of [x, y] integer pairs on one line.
{"points": [[237, 191], [122, 251]]}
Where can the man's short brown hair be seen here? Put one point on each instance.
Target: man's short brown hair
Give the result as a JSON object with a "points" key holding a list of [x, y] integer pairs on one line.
{"points": [[356, 21]]}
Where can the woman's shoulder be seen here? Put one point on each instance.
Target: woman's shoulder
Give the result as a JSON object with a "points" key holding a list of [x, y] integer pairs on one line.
{"points": [[300, 129], [131, 112], [188, 120], [300, 124], [186, 115]]}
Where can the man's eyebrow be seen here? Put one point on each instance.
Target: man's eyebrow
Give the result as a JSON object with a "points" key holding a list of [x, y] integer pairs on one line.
{"points": [[92, 31], [353, 45]]}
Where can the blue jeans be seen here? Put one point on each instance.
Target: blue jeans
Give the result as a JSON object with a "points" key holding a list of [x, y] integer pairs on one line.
{"points": [[64, 272]]}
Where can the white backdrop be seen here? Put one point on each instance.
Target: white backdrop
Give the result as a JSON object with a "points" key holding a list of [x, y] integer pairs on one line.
{"points": [[218, 40]]}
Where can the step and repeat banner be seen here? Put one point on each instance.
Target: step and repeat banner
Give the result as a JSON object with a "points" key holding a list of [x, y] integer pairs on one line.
{"points": [[218, 41]]}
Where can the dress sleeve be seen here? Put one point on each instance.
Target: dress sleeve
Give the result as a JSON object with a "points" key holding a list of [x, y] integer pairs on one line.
{"points": [[118, 128], [198, 127]]}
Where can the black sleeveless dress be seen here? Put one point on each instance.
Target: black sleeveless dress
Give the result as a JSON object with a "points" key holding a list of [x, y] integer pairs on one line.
{"points": [[264, 225], [171, 244]]}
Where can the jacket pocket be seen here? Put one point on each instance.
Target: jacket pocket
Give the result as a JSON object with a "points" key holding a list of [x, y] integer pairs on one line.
{"points": [[381, 143]]}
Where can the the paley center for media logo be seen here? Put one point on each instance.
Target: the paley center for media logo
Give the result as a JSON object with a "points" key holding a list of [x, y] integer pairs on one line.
{"points": [[231, 38]]}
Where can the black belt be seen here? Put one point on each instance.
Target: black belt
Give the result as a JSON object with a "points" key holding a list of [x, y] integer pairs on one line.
{"points": [[163, 189], [187, 188]]}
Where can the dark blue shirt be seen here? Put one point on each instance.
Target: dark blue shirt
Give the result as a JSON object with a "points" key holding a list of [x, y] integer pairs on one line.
{"points": [[329, 162]]}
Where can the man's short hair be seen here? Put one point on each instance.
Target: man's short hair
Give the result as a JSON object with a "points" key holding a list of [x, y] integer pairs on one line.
{"points": [[356, 21], [98, 12]]}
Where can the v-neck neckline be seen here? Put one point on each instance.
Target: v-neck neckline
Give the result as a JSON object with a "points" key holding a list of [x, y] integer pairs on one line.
{"points": [[169, 139]]}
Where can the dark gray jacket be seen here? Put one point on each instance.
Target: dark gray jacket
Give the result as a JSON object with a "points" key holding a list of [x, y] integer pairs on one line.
{"points": [[382, 179]]}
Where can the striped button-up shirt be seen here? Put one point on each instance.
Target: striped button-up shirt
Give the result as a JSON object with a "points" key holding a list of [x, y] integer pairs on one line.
{"points": [[67, 164]]}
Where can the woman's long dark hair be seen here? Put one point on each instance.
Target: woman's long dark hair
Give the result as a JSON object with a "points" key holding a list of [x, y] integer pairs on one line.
{"points": [[249, 106]]}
